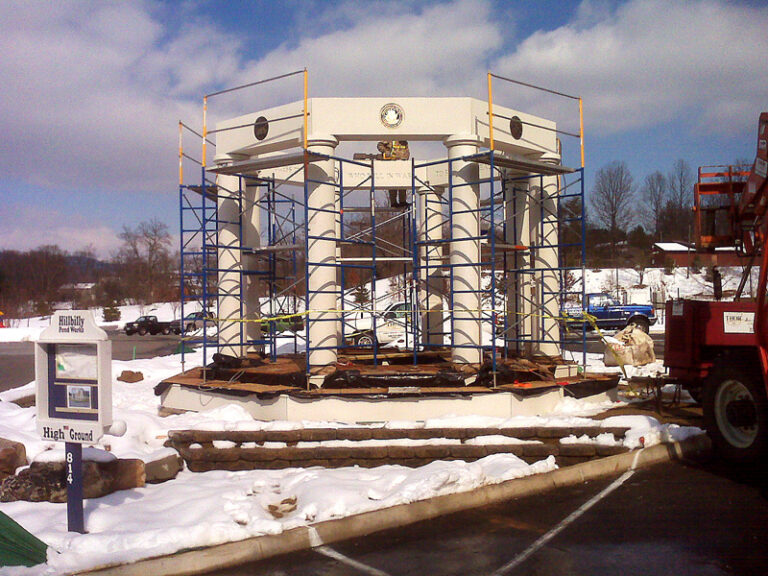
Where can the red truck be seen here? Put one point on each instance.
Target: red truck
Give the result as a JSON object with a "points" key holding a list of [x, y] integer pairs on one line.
{"points": [[719, 350]]}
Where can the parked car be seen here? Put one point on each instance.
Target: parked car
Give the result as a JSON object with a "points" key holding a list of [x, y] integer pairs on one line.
{"points": [[197, 320], [609, 314], [150, 325], [390, 325]]}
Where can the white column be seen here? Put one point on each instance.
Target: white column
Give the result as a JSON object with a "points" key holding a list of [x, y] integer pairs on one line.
{"points": [[230, 266], [465, 250], [431, 293], [548, 261], [252, 239], [519, 283], [321, 280], [535, 291]]}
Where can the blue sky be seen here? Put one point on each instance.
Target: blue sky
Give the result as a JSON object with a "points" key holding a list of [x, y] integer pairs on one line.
{"points": [[92, 92]]}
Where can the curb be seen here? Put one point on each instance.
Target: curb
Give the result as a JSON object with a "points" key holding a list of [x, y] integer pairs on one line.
{"points": [[199, 561]]}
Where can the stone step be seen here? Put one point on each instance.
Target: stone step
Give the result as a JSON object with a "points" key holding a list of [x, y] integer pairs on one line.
{"points": [[356, 434], [251, 450]]}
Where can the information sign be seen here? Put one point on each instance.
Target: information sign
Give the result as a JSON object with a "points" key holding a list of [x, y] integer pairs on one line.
{"points": [[73, 372], [73, 367]]}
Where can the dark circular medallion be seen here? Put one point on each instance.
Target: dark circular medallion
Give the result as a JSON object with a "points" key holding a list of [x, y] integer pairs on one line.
{"points": [[516, 127], [260, 128]]}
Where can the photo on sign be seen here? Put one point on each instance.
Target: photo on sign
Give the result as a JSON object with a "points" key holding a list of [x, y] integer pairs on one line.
{"points": [[76, 361], [79, 397]]}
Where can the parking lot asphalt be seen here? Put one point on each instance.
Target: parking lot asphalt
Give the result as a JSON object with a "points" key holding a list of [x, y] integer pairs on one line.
{"points": [[17, 359], [673, 518]]}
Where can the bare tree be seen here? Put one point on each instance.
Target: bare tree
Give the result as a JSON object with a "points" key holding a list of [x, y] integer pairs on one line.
{"points": [[655, 193], [30, 282], [678, 217], [681, 181], [145, 261], [612, 198]]}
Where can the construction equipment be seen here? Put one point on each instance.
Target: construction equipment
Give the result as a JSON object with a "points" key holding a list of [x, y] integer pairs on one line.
{"points": [[719, 350]]}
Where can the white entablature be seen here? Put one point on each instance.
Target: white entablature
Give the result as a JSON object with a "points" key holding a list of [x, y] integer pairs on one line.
{"points": [[390, 118]]}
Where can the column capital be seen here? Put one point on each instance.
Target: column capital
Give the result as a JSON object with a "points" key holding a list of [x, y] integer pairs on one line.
{"points": [[226, 159], [324, 140], [463, 139], [550, 158]]}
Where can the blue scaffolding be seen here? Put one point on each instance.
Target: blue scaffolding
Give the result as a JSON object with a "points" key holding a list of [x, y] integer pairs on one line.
{"points": [[499, 259], [274, 264], [284, 250], [342, 190]]}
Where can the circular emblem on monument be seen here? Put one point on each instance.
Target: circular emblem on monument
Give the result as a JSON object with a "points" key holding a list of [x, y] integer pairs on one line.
{"points": [[391, 115], [261, 128], [516, 127]]}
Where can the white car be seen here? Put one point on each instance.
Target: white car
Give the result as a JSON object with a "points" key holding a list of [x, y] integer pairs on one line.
{"points": [[391, 325]]}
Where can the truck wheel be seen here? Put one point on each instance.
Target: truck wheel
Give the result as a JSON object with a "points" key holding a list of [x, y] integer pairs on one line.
{"points": [[736, 413], [640, 323], [142, 331], [364, 340]]}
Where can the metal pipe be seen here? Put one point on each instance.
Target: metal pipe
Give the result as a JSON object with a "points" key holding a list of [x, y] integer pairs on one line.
{"points": [[534, 86], [181, 156], [490, 110], [306, 112], [250, 125], [255, 83], [555, 130], [581, 131], [205, 127]]}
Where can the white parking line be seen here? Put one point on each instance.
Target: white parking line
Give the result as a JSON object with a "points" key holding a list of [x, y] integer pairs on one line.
{"points": [[533, 548], [319, 547]]}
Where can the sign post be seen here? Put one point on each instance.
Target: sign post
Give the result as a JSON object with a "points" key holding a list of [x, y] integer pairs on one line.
{"points": [[73, 371], [74, 469]]}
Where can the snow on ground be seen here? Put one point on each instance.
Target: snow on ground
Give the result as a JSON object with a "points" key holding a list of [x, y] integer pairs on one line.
{"points": [[28, 329], [202, 509]]}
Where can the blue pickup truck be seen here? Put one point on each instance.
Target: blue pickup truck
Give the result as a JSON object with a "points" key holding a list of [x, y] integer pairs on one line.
{"points": [[609, 314]]}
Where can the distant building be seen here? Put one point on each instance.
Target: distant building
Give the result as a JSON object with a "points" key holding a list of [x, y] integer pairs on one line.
{"points": [[683, 255], [79, 294]]}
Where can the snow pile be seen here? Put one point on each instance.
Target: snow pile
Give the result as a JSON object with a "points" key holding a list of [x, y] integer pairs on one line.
{"points": [[203, 509]]}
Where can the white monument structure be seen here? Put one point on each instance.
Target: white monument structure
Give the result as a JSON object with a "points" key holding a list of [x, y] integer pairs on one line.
{"points": [[296, 145]]}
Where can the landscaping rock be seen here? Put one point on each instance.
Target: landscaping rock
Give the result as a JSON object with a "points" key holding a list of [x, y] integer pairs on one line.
{"points": [[13, 455], [130, 376], [128, 473], [163, 469], [46, 481]]}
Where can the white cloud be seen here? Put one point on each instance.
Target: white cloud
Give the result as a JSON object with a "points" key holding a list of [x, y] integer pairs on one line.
{"points": [[92, 92], [387, 48], [27, 227], [652, 62]]}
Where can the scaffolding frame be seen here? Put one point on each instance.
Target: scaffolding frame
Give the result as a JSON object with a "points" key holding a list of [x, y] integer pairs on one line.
{"points": [[570, 288], [341, 191], [199, 219]]}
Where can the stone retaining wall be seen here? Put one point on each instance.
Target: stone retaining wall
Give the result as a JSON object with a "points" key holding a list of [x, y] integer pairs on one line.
{"points": [[250, 450]]}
